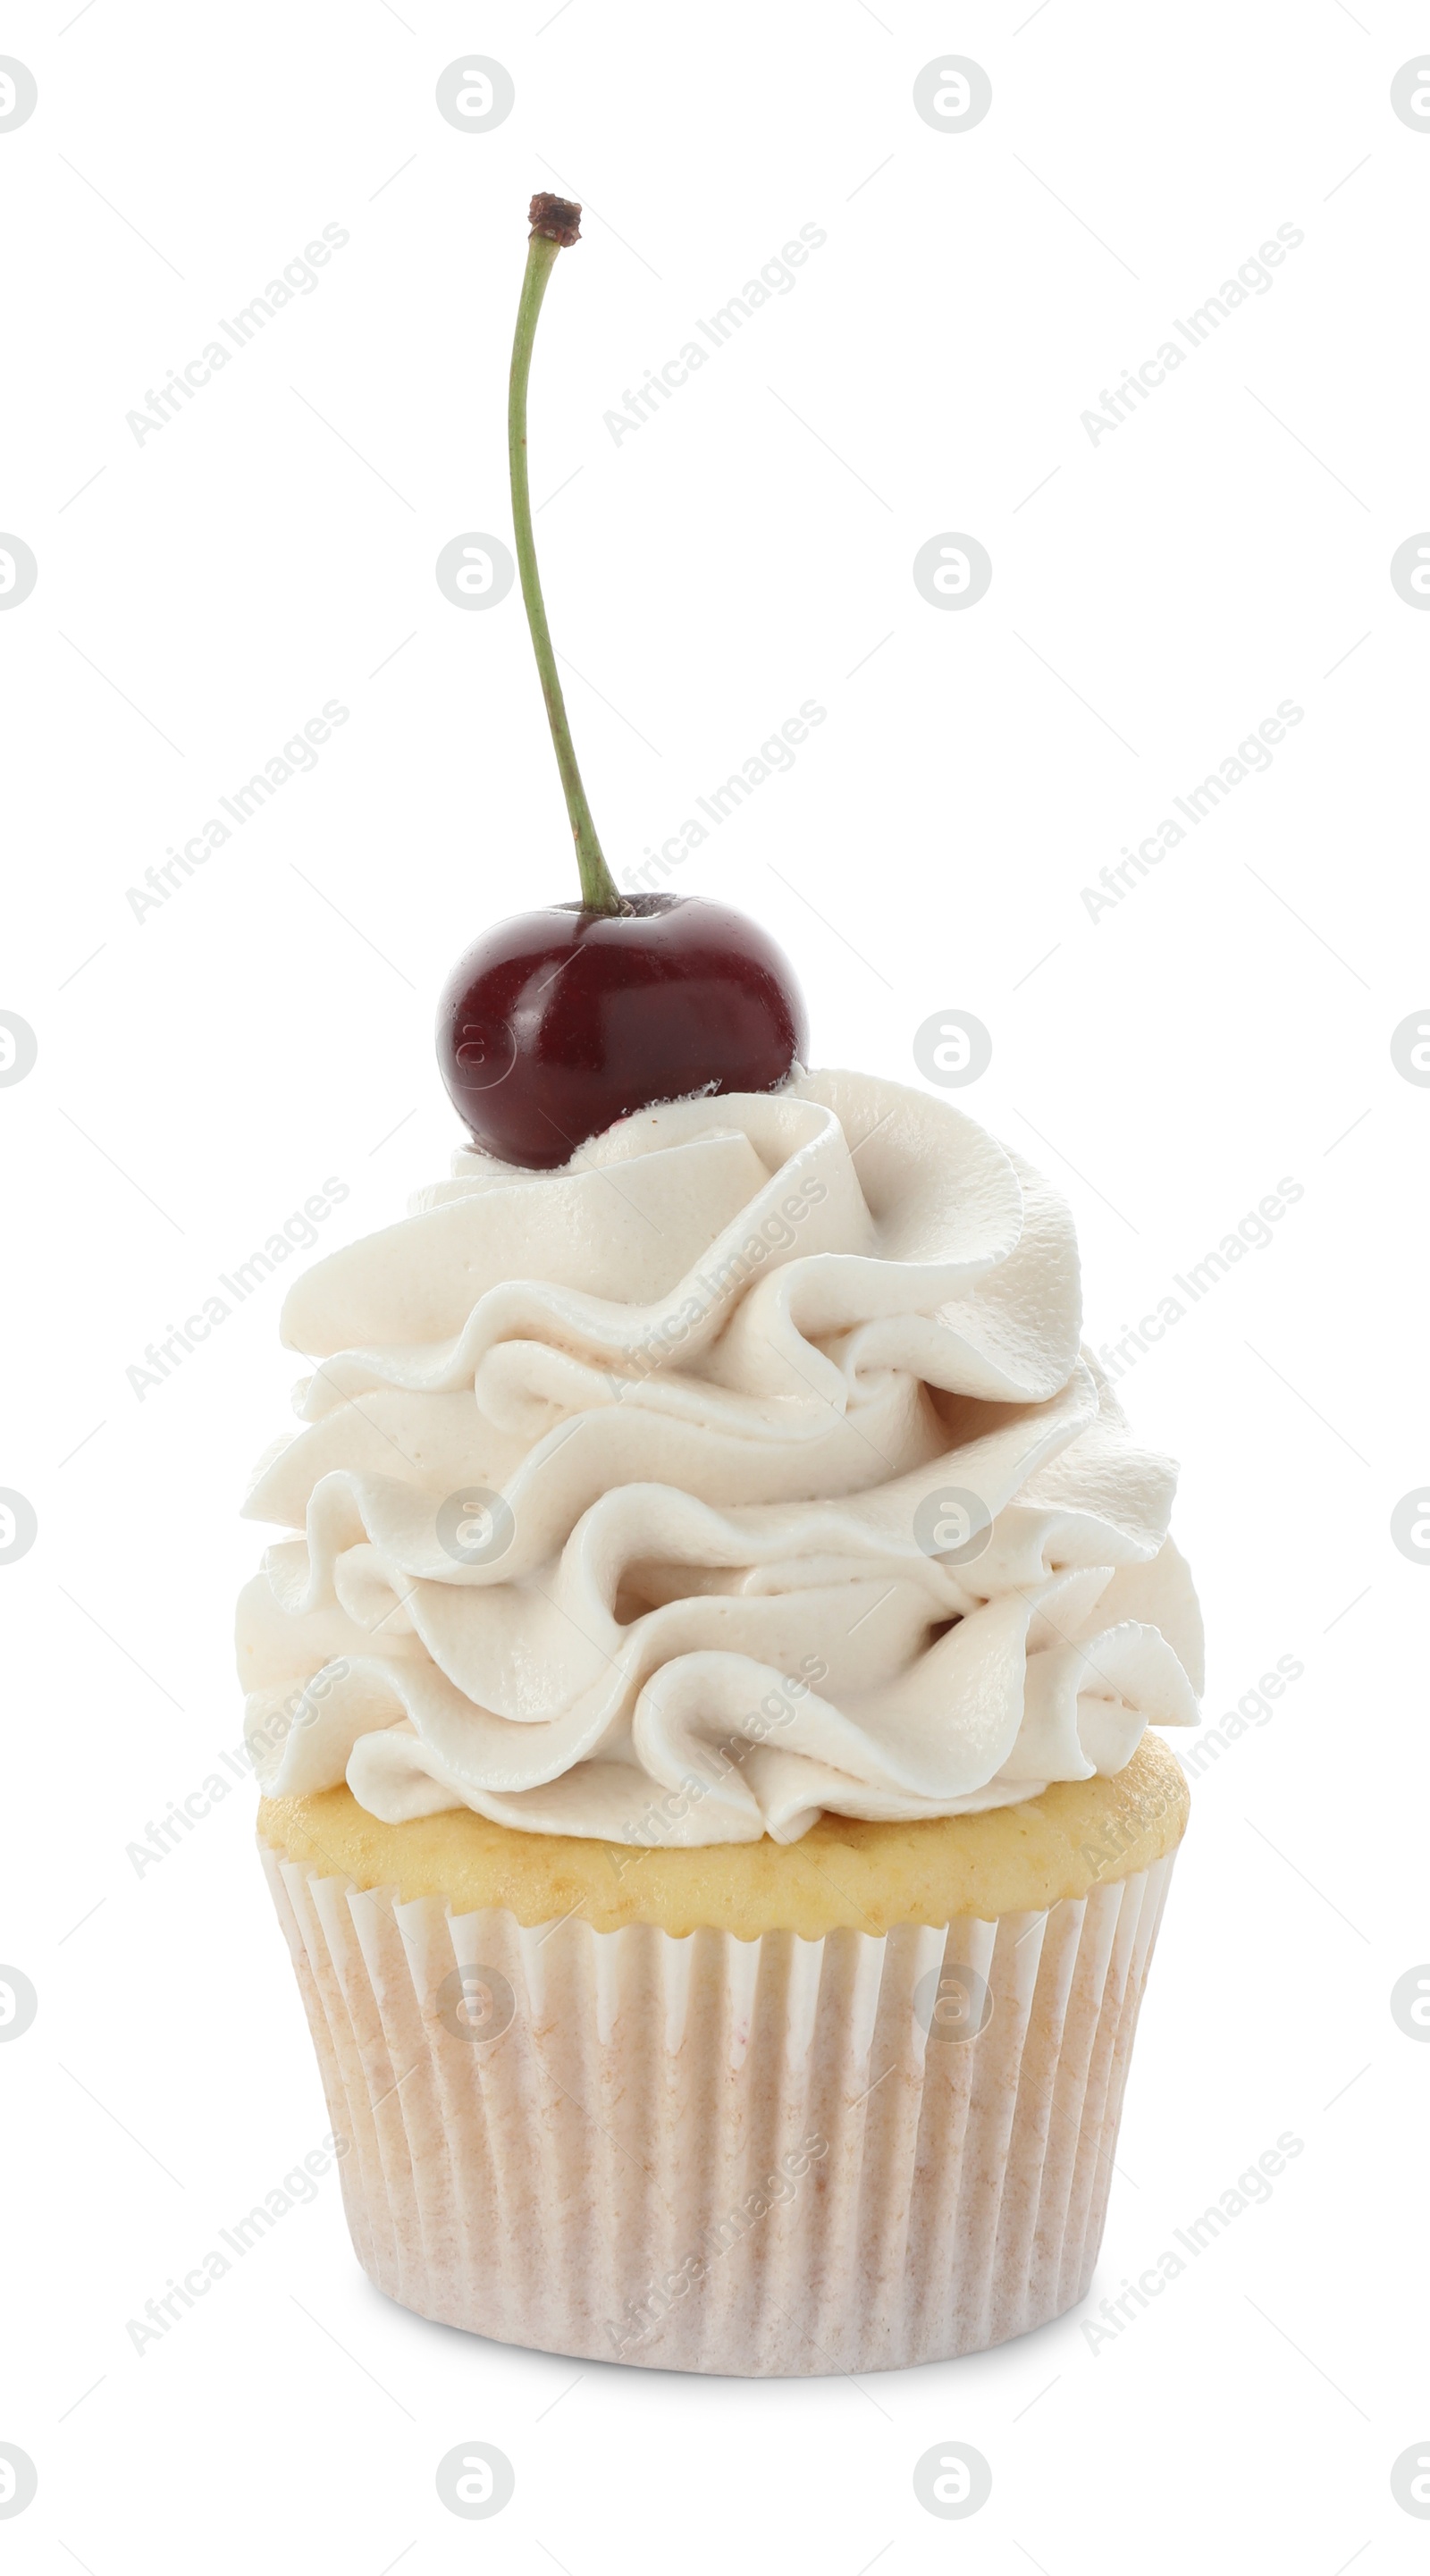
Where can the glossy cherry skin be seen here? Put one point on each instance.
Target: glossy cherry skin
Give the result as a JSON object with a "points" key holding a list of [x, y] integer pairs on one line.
{"points": [[559, 1022]]}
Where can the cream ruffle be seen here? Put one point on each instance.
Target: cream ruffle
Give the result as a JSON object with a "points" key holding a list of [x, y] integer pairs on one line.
{"points": [[710, 1373]]}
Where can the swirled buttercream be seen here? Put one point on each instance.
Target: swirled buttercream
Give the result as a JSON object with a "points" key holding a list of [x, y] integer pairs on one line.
{"points": [[745, 1467]]}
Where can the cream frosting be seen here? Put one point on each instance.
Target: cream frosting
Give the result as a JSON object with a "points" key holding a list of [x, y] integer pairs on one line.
{"points": [[744, 1468]]}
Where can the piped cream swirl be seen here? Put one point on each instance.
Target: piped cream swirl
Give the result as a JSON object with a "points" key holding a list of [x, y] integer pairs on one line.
{"points": [[743, 1468]]}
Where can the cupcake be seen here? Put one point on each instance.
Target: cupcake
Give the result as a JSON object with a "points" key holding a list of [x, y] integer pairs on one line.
{"points": [[702, 1729], [701, 1694]]}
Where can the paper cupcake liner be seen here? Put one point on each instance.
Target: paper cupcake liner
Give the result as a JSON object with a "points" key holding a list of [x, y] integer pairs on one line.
{"points": [[767, 2158]]}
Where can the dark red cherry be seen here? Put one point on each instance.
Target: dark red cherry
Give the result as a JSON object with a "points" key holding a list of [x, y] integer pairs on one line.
{"points": [[559, 1022]]}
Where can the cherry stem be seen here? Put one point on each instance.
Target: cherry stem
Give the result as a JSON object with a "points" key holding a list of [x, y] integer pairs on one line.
{"points": [[599, 892]]}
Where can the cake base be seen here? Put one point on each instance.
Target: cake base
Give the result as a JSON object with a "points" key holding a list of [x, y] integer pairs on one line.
{"points": [[761, 2157]]}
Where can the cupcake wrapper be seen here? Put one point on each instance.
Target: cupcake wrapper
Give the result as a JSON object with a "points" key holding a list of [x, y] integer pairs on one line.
{"points": [[758, 2157]]}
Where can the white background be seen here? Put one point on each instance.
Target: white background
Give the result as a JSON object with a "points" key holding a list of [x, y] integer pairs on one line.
{"points": [[202, 1070]]}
